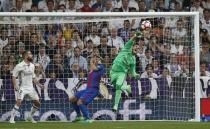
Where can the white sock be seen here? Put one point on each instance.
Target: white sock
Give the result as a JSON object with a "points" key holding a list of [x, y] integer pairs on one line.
{"points": [[33, 110], [14, 110]]}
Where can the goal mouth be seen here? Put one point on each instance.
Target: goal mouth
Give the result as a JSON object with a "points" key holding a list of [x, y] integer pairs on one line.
{"points": [[171, 42]]}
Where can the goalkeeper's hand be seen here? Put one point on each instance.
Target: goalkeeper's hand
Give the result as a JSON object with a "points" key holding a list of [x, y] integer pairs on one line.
{"points": [[137, 76], [139, 34]]}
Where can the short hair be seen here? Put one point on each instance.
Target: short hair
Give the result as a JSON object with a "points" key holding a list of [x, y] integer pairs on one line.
{"points": [[149, 66], [25, 53]]}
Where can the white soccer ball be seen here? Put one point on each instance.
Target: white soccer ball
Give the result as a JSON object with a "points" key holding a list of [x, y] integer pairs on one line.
{"points": [[146, 25]]}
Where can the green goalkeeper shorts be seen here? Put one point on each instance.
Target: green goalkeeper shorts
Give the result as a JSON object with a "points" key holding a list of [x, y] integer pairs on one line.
{"points": [[117, 79]]}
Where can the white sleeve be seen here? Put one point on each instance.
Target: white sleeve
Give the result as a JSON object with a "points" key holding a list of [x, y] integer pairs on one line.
{"points": [[16, 71]]}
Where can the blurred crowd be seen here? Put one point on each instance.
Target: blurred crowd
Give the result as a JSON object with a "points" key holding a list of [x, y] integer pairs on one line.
{"points": [[64, 50]]}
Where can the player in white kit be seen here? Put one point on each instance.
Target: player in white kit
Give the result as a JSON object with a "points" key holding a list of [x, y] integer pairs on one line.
{"points": [[24, 71]]}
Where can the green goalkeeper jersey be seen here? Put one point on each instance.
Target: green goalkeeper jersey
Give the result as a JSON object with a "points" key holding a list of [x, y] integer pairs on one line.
{"points": [[125, 61]]}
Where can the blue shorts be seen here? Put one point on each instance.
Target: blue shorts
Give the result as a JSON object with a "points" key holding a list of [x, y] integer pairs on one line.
{"points": [[87, 95]]}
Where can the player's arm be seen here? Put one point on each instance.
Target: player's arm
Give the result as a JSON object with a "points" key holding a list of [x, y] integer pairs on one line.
{"points": [[131, 42], [14, 77]]}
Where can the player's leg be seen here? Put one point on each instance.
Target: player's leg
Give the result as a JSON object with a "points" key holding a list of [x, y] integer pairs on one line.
{"points": [[73, 101], [17, 105], [84, 100], [36, 105], [119, 87]]}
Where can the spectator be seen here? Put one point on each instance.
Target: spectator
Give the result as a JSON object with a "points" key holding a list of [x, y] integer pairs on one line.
{"points": [[206, 4], [19, 55], [86, 6], [108, 7], [156, 67], [27, 4], [3, 38], [184, 72], [115, 40], [104, 28], [71, 6], [88, 50], [61, 7], [205, 53], [56, 69], [166, 73], [180, 30], [39, 72], [78, 59], [93, 35], [13, 44], [33, 45], [51, 47], [146, 59], [42, 5], [70, 49], [204, 36], [19, 6], [173, 66], [178, 7], [206, 20], [97, 7], [196, 7], [203, 69], [142, 6], [104, 48], [34, 8], [149, 72], [64, 57], [7, 68], [124, 32], [76, 40], [50, 6], [177, 47], [125, 7], [42, 58]]}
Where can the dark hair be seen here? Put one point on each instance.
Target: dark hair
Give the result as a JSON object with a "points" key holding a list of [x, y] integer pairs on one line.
{"points": [[25, 53], [149, 66]]}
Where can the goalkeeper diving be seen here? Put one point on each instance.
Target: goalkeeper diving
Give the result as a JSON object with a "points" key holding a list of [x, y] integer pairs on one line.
{"points": [[124, 64]]}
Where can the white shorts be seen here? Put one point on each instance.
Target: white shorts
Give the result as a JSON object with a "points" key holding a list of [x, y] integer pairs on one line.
{"points": [[27, 94]]}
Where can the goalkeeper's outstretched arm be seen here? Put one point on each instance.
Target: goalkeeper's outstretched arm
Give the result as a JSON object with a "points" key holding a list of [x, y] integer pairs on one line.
{"points": [[131, 42]]}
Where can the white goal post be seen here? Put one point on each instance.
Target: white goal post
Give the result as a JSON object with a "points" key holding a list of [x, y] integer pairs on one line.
{"points": [[194, 15]]}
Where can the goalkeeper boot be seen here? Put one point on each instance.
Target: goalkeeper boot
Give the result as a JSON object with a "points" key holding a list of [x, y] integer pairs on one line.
{"points": [[77, 119], [115, 108], [128, 91]]}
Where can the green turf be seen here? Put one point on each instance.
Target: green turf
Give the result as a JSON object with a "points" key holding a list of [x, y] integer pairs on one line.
{"points": [[107, 125]]}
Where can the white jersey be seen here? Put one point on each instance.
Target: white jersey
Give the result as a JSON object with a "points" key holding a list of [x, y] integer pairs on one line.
{"points": [[25, 74]]}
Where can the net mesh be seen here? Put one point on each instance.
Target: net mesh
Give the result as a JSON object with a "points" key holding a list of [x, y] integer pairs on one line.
{"points": [[62, 48]]}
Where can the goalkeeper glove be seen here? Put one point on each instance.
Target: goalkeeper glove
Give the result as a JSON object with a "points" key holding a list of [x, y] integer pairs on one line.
{"points": [[139, 34]]}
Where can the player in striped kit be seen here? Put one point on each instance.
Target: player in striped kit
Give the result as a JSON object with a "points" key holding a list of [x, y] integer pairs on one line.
{"points": [[24, 71], [82, 98]]}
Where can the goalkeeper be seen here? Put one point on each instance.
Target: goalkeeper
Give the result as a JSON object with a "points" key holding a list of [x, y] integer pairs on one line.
{"points": [[124, 63]]}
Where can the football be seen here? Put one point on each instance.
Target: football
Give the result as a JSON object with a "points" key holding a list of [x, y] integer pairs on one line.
{"points": [[146, 25]]}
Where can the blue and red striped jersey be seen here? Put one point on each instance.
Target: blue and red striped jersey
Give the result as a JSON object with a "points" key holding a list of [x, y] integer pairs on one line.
{"points": [[94, 77]]}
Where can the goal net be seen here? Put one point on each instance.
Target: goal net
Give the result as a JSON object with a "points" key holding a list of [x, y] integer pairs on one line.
{"points": [[62, 45]]}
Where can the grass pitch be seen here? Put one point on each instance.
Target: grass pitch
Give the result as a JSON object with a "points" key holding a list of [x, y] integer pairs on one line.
{"points": [[107, 125]]}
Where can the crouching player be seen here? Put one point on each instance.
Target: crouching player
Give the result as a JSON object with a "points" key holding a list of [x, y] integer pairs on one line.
{"points": [[82, 98]]}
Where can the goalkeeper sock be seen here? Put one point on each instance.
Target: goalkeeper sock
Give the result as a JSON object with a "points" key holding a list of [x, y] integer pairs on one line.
{"points": [[84, 111], [117, 98], [76, 108], [33, 110]]}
